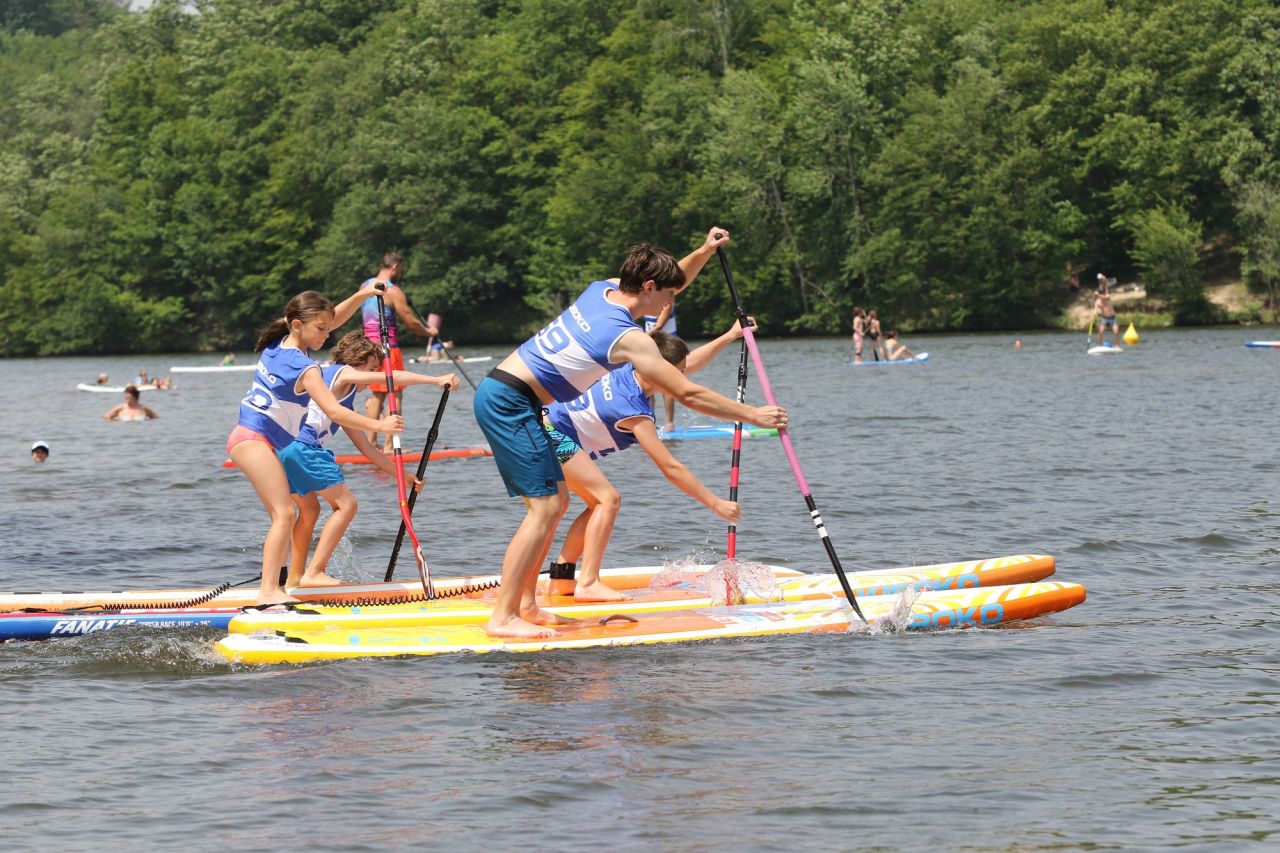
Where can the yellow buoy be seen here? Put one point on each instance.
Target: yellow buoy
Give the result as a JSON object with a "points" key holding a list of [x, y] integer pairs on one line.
{"points": [[1131, 335]]}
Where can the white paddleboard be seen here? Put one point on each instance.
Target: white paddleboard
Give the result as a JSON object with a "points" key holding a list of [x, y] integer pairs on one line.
{"points": [[111, 389], [1105, 350]]}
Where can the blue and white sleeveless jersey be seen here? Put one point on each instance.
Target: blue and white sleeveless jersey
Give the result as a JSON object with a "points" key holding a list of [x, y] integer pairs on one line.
{"points": [[275, 406], [651, 323], [592, 419], [572, 351], [319, 427]]}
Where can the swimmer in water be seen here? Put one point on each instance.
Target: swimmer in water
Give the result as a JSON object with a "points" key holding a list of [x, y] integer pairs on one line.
{"points": [[130, 409]]}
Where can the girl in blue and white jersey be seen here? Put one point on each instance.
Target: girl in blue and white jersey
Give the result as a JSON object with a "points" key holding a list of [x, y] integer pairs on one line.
{"points": [[271, 415], [313, 470]]}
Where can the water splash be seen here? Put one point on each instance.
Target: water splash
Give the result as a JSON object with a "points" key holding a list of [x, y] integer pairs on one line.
{"points": [[895, 622], [735, 581], [727, 582]]}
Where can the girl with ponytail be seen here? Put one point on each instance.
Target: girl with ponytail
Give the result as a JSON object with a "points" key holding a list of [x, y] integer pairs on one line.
{"points": [[272, 413]]}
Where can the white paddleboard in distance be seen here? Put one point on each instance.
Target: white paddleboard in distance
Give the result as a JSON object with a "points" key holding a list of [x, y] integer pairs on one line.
{"points": [[1263, 344], [111, 389], [1105, 350]]}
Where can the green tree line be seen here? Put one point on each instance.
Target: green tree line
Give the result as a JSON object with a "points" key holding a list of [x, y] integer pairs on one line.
{"points": [[169, 177]]}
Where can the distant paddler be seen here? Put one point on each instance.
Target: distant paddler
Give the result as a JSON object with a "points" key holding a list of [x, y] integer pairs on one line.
{"points": [[617, 413], [396, 308], [1106, 312], [894, 348], [596, 334]]}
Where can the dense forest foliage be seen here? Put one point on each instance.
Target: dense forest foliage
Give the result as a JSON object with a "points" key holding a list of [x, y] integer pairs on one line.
{"points": [[168, 178]]}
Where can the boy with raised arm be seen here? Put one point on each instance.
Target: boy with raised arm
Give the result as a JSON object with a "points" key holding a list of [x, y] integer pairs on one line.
{"points": [[596, 334]]}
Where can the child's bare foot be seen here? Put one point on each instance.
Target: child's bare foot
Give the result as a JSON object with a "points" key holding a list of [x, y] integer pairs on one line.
{"points": [[319, 579], [517, 628], [597, 591]]}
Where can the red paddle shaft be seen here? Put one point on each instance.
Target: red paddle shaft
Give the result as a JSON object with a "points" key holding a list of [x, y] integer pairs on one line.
{"points": [[401, 489]]}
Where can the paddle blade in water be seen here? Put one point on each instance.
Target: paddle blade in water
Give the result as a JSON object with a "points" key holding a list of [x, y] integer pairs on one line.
{"points": [[895, 622], [736, 581], [727, 582]]}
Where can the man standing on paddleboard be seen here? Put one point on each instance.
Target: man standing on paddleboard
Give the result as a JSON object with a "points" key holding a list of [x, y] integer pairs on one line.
{"points": [[396, 307], [596, 334]]}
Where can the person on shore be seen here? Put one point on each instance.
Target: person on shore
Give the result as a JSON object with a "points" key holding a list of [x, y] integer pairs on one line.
{"points": [[272, 413], [617, 413], [131, 409], [859, 331], [894, 347], [1106, 312], [39, 452], [873, 335], [665, 321], [312, 469], [396, 310], [596, 334]]}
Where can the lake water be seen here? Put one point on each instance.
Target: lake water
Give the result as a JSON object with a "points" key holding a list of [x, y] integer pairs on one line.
{"points": [[1144, 719]]}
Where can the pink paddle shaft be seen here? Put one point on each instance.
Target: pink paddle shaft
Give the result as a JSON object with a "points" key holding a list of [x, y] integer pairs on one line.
{"points": [[767, 390]]}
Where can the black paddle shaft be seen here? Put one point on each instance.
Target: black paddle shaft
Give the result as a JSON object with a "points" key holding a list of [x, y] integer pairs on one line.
{"points": [[422, 469], [808, 496]]}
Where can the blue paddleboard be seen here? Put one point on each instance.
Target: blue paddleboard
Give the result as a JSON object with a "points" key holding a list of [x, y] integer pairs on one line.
{"points": [[712, 431], [44, 626], [924, 356]]}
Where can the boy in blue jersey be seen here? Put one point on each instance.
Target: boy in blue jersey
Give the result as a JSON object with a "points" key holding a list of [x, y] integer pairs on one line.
{"points": [[614, 415], [596, 334]]}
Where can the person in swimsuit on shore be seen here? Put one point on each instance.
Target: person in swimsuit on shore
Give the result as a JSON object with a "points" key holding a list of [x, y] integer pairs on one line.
{"points": [[313, 470], [130, 409], [617, 413], [1106, 312], [397, 310], [285, 383], [873, 335], [594, 335], [859, 330]]}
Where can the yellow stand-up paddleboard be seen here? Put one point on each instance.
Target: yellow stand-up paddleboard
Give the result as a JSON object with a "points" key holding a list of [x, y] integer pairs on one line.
{"points": [[1021, 568], [967, 608]]}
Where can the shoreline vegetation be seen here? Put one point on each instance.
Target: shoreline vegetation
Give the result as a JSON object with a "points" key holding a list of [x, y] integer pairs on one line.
{"points": [[170, 176]]}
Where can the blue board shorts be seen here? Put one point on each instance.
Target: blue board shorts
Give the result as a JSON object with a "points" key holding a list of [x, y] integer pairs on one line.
{"points": [[309, 468], [1113, 322], [525, 455], [566, 446]]}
